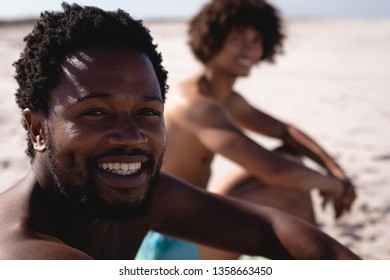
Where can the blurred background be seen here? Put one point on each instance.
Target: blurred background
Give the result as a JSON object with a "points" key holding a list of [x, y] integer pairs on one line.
{"points": [[332, 81], [183, 9]]}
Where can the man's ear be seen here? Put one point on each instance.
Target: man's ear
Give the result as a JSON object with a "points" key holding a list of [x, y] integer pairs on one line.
{"points": [[36, 129]]}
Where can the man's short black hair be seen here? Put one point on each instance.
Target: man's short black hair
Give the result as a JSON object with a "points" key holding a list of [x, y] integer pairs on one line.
{"points": [[209, 28], [56, 34]]}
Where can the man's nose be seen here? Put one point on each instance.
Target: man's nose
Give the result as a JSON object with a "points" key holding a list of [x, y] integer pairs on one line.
{"points": [[126, 132]]}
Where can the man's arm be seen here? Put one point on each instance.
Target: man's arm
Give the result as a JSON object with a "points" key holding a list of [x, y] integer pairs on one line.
{"points": [[229, 224], [253, 119], [41, 249]]}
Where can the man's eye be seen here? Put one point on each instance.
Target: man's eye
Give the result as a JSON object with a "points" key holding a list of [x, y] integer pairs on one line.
{"points": [[149, 112], [95, 112]]}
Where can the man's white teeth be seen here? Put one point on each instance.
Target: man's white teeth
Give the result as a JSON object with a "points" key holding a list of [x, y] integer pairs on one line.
{"points": [[121, 168]]}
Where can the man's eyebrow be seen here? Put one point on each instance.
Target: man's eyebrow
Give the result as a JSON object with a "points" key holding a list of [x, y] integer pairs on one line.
{"points": [[108, 96], [94, 95], [151, 98]]}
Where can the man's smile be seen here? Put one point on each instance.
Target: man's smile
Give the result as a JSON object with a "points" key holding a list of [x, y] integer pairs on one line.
{"points": [[123, 171], [121, 168]]}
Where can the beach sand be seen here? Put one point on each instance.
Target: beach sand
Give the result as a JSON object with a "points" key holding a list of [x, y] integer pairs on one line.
{"points": [[333, 82]]}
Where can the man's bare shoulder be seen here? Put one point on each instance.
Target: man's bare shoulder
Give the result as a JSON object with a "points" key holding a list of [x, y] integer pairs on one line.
{"points": [[39, 248], [18, 240]]}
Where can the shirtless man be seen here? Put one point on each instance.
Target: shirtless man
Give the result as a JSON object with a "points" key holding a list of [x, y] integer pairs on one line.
{"points": [[91, 89], [205, 116]]}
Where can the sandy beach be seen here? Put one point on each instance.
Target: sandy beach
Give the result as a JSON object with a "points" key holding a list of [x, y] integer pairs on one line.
{"points": [[333, 82]]}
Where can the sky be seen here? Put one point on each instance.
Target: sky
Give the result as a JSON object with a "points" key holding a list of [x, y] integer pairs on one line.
{"points": [[184, 9]]}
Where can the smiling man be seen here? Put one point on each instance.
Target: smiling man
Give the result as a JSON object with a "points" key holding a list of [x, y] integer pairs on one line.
{"points": [[106, 137], [91, 90]]}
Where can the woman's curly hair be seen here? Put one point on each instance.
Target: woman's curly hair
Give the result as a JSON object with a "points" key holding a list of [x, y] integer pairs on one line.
{"points": [[56, 34], [209, 28]]}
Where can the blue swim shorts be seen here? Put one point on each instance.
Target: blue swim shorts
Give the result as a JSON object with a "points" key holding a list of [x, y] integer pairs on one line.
{"points": [[160, 247]]}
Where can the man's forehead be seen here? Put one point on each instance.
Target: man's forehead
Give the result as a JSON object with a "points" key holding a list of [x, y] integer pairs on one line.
{"points": [[87, 70], [75, 62], [79, 60], [82, 58], [105, 61]]}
